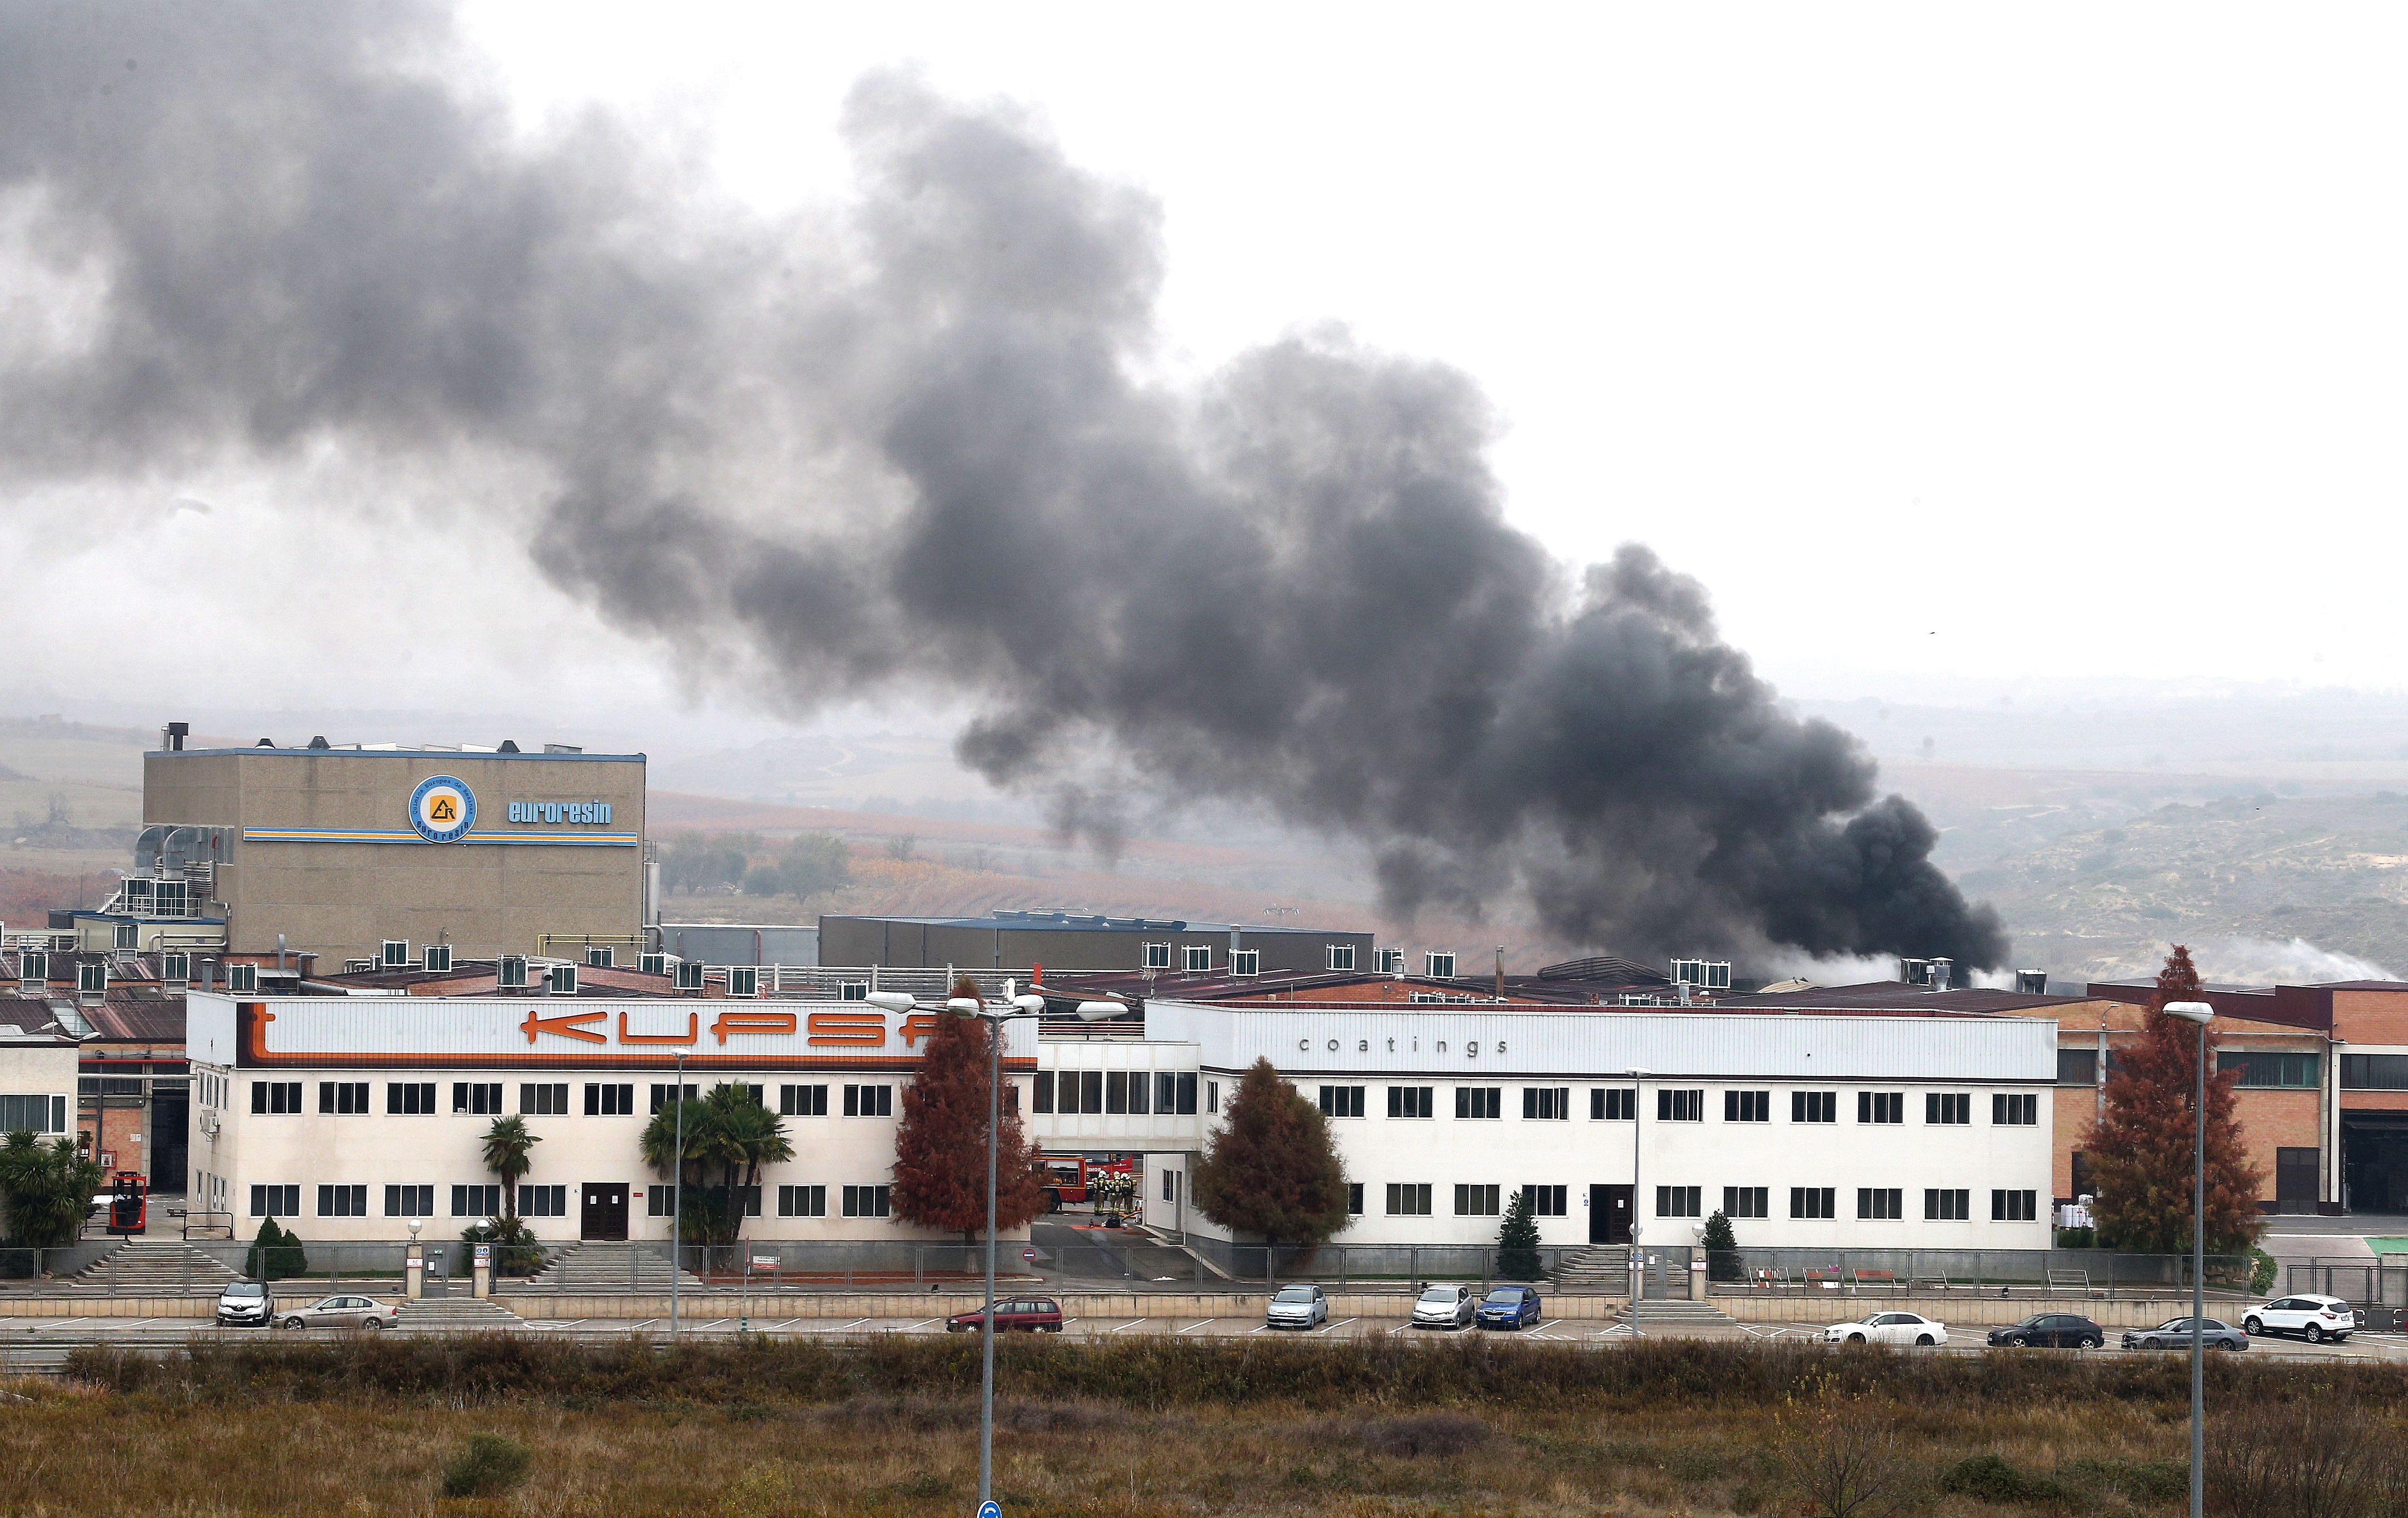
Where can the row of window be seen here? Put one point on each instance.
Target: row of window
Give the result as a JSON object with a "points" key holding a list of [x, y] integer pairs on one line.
{"points": [[1134, 1091], [551, 1098], [1554, 1103], [1197, 958], [1941, 1204], [2260, 1070], [536, 1201]]}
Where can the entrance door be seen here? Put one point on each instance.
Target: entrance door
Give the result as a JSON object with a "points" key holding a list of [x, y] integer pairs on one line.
{"points": [[1608, 1214], [603, 1214]]}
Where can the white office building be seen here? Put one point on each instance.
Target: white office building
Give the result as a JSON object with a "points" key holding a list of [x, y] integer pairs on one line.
{"points": [[356, 1113]]}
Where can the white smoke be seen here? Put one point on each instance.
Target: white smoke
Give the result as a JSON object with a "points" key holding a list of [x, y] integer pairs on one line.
{"points": [[2264, 961]]}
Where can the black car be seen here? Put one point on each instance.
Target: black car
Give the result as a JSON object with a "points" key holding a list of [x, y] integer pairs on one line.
{"points": [[2051, 1331]]}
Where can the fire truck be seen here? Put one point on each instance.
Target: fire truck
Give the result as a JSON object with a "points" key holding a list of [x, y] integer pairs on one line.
{"points": [[1070, 1179]]}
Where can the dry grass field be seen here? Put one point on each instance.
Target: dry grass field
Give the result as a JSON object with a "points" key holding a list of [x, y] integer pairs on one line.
{"points": [[1164, 1427]]}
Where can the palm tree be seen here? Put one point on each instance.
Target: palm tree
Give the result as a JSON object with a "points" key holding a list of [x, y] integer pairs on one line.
{"points": [[507, 1154], [728, 1130], [748, 1136]]}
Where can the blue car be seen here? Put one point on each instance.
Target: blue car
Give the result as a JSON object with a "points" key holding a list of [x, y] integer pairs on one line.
{"points": [[1509, 1306]]}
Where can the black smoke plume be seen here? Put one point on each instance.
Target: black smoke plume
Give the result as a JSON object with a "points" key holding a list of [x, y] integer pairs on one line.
{"points": [[912, 440]]}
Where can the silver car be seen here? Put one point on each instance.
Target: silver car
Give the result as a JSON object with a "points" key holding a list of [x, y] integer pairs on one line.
{"points": [[1297, 1307], [2176, 1334], [1445, 1306], [342, 1312]]}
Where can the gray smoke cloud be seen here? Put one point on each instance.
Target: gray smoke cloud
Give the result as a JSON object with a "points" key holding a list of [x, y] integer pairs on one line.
{"points": [[911, 441]]}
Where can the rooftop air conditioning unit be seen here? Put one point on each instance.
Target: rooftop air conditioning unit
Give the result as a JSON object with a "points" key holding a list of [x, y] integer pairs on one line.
{"points": [[601, 957], [510, 974], [394, 954], [743, 980], [561, 980], [438, 957], [33, 969], [652, 964], [242, 979], [689, 975]]}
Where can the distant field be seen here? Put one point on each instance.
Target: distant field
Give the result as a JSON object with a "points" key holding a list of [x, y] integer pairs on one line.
{"points": [[1166, 1426]]}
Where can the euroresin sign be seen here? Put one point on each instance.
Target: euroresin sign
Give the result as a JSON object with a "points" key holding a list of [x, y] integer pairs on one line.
{"points": [[443, 810]]}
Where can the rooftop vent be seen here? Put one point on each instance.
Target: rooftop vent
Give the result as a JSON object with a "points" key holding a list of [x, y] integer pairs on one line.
{"points": [[320, 742], [2032, 982], [264, 742], [175, 735], [563, 748], [509, 745]]}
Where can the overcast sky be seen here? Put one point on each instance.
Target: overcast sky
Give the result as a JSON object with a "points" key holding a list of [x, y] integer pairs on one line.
{"points": [[1948, 349]]}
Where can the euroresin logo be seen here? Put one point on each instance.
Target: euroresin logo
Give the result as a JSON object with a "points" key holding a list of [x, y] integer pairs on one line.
{"points": [[442, 808]]}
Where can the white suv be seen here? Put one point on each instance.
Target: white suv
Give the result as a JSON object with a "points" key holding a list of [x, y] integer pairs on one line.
{"points": [[2312, 1318]]}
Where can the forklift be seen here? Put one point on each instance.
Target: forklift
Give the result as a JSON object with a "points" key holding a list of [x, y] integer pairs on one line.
{"points": [[129, 1202]]}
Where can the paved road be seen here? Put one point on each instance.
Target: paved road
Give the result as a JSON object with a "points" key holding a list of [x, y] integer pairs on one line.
{"points": [[40, 1345]]}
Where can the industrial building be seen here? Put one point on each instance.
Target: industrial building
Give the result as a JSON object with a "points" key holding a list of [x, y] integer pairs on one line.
{"points": [[1088, 941], [332, 850]]}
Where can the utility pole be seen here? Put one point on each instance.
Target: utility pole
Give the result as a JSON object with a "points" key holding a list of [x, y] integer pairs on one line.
{"points": [[677, 1193]]}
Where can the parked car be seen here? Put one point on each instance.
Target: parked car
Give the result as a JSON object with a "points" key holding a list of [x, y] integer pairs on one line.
{"points": [[342, 1312], [245, 1304], [1444, 1307], [1297, 1307], [1888, 1328], [2051, 1331], [2176, 1334], [1509, 1306], [2314, 1319], [1022, 1314]]}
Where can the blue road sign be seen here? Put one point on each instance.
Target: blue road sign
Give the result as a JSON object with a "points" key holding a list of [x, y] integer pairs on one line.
{"points": [[990, 1510]]}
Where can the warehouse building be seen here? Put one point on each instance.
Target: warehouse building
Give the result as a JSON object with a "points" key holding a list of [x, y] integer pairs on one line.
{"points": [[356, 1113], [1062, 941], [332, 850]]}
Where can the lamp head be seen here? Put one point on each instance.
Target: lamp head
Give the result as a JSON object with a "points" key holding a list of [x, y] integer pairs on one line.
{"points": [[2199, 1012], [415, 1225], [964, 1006], [1029, 1003], [1098, 1011], [893, 1000]]}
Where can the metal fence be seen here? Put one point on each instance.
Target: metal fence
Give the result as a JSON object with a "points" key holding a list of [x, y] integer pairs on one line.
{"points": [[2087, 1273], [98, 1267], [2379, 1283]]}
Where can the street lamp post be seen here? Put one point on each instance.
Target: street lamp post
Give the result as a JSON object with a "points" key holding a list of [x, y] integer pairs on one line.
{"points": [[1026, 1006], [2198, 1014], [677, 1192]]}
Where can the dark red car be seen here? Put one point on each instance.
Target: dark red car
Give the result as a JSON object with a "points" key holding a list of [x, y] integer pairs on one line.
{"points": [[1029, 1314]]}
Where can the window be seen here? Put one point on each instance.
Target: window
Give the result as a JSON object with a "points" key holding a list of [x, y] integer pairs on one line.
{"points": [[1814, 1106], [1413, 1101], [1747, 1107], [344, 1097], [1041, 1099], [476, 1201], [1680, 1107], [663, 1095], [243, 980], [1940, 1204], [852, 990], [2077, 1067], [1342, 956], [1746, 1202], [2011, 1111], [543, 1201], [1342, 1101], [1409, 1200], [1709, 974], [482, 1098], [1811, 1202], [1548, 1201], [409, 1098], [1546, 1104], [1165, 1094], [1613, 1103], [544, 1098], [1880, 1202], [867, 1201], [1170, 1185], [1947, 1108], [36, 1113], [1440, 966], [2374, 1072], [1480, 1100], [609, 1098], [1881, 1107], [276, 1200], [2289, 1072], [1213, 1095], [171, 901], [439, 957], [1091, 1091], [276, 1096], [744, 980], [809, 1102], [802, 1201], [342, 1201], [1195, 959], [1124, 1091], [1476, 1202], [135, 896], [1353, 1198], [2014, 1207], [1246, 962], [1677, 1202], [409, 1201], [95, 976], [877, 1102], [661, 1201], [1158, 957]]}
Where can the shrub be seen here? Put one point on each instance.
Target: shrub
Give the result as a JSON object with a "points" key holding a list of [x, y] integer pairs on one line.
{"points": [[276, 1254], [2262, 1271], [1993, 1480], [489, 1465], [1844, 1459]]}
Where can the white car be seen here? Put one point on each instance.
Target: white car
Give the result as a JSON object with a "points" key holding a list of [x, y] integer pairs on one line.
{"points": [[2314, 1319], [1888, 1328], [1297, 1307]]}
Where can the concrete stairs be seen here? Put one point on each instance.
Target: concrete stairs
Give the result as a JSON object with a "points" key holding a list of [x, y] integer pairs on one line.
{"points": [[458, 1315], [596, 1268], [150, 1267], [1658, 1314], [1603, 1267]]}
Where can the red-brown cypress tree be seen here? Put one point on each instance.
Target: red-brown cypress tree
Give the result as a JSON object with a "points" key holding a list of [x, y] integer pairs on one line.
{"points": [[941, 1145], [2140, 1150], [1271, 1168]]}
